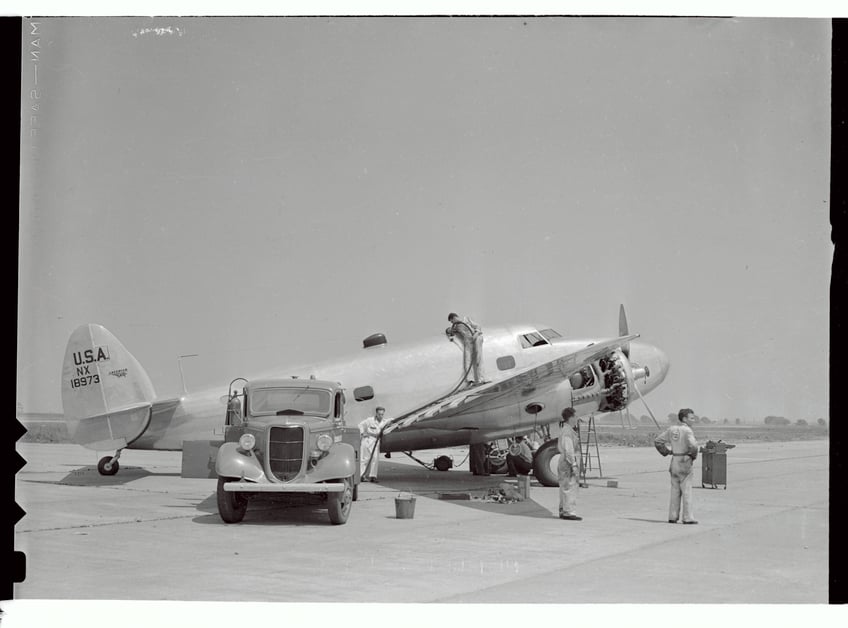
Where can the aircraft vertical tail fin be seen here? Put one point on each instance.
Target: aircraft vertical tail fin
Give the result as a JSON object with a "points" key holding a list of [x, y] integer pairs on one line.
{"points": [[106, 394]]}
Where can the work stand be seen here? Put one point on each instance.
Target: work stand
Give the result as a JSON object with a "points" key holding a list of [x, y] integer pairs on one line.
{"points": [[589, 449]]}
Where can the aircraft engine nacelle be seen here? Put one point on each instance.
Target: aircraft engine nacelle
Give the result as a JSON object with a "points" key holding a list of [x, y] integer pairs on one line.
{"points": [[547, 407], [618, 381]]}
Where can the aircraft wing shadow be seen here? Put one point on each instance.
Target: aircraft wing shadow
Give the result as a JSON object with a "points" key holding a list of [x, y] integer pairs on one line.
{"points": [[88, 476], [452, 486]]}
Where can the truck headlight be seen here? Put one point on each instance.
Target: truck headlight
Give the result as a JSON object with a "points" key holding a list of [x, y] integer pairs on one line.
{"points": [[247, 442], [324, 442]]}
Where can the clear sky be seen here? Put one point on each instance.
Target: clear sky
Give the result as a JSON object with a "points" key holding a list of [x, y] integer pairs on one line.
{"points": [[270, 191]]}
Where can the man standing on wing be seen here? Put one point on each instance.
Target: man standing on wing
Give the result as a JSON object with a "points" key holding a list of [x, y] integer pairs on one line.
{"points": [[471, 337]]}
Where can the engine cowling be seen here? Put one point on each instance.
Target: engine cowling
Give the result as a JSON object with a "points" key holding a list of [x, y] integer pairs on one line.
{"points": [[617, 381]]}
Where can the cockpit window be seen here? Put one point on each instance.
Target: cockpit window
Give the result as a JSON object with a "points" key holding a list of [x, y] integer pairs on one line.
{"points": [[290, 401], [550, 334], [533, 339]]}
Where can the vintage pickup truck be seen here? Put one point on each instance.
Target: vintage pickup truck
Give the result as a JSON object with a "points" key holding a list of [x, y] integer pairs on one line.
{"points": [[292, 439]]}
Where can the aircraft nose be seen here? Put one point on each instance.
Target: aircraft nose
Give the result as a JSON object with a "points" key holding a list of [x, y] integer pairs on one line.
{"points": [[654, 360]]}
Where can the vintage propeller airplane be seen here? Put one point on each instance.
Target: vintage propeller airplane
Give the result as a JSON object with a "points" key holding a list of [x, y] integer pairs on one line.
{"points": [[109, 401]]}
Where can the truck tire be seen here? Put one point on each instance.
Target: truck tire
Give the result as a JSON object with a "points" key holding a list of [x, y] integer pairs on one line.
{"points": [[231, 506], [545, 463], [338, 504]]}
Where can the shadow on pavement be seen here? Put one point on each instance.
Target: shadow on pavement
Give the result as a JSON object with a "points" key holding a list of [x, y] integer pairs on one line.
{"points": [[449, 485], [271, 510], [89, 476], [394, 478], [646, 520]]}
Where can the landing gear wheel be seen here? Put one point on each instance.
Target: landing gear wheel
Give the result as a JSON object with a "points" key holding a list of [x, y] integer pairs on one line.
{"points": [[106, 467], [545, 463], [496, 461], [231, 505], [355, 492], [338, 504]]}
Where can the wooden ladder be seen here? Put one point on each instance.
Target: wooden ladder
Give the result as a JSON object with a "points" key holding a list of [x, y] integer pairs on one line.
{"points": [[588, 438]]}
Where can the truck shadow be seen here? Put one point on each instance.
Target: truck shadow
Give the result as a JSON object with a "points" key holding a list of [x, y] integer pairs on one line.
{"points": [[271, 510]]}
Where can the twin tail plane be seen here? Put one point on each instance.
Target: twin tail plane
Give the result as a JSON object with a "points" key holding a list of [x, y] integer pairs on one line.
{"points": [[109, 401]]}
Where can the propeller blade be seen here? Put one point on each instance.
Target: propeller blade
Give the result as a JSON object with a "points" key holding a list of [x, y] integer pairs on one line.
{"points": [[622, 329], [647, 407]]}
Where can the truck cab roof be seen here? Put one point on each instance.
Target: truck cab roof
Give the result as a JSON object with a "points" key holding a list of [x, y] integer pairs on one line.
{"points": [[291, 382]]}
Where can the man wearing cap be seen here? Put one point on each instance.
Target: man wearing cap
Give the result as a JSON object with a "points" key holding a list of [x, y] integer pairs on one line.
{"points": [[471, 337], [568, 469], [369, 452], [679, 441]]}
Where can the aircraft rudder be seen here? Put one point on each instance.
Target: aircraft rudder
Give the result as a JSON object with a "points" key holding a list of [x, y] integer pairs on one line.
{"points": [[106, 393]]}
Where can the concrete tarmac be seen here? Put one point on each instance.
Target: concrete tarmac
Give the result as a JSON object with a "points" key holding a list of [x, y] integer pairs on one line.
{"points": [[147, 534]]}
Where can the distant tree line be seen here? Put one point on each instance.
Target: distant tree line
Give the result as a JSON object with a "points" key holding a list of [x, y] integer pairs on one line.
{"points": [[769, 420]]}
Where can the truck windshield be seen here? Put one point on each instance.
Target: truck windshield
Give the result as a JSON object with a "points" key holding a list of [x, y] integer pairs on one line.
{"points": [[292, 401]]}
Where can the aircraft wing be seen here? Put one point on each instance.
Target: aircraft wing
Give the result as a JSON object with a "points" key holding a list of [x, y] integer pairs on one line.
{"points": [[536, 379]]}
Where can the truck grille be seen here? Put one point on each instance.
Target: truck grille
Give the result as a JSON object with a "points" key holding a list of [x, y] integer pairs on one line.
{"points": [[285, 452]]}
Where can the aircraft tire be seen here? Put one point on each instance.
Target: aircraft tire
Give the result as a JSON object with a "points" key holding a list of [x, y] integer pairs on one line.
{"points": [[355, 492], [231, 506], [543, 468], [103, 469], [338, 504]]}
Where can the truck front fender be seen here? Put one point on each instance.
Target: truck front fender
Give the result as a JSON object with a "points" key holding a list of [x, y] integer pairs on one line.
{"points": [[340, 462], [232, 462]]}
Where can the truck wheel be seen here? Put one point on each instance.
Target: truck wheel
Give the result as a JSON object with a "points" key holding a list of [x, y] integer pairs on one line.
{"points": [[231, 506], [338, 504], [545, 464]]}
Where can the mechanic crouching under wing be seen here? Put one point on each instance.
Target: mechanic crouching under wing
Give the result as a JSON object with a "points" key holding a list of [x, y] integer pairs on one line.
{"points": [[519, 460]]}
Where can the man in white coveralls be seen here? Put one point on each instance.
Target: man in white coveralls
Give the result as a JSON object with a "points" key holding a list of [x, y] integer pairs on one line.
{"points": [[679, 441], [568, 469], [369, 430]]}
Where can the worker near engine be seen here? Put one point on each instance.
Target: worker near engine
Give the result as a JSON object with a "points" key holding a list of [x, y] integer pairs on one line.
{"points": [[679, 442], [568, 469]]}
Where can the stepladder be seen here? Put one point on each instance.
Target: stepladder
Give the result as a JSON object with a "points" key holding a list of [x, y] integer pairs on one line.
{"points": [[589, 450]]}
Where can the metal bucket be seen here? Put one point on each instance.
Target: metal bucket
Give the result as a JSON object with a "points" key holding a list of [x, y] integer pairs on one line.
{"points": [[405, 506]]}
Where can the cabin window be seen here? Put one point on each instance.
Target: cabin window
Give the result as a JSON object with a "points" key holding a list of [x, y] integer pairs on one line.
{"points": [[338, 406], [363, 393], [533, 339], [506, 362], [550, 334]]}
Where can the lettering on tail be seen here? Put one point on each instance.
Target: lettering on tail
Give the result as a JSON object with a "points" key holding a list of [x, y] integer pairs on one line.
{"points": [[95, 354]]}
